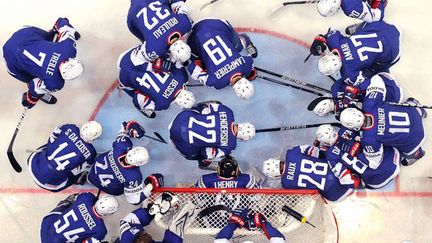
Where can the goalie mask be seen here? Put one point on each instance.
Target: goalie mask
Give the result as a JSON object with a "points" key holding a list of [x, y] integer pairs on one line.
{"points": [[106, 205], [327, 135], [328, 7], [352, 118], [90, 131], [273, 168], [71, 69], [228, 167], [330, 63]]}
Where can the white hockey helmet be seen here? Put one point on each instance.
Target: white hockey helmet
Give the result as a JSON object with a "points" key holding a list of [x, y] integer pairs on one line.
{"points": [[352, 118], [106, 205], [272, 168], [180, 51], [328, 7], [90, 131], [71, 69], [245, 131], [326, 135], [243, 88], [185, 99], [137, 156], [324, 107], [329, 64]]}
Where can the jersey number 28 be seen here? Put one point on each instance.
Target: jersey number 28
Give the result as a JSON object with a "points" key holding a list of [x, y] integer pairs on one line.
{"points": [[310, 167]]}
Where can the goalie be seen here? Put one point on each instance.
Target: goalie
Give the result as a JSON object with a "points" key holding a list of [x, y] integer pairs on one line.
{"points": [[132, 226]]}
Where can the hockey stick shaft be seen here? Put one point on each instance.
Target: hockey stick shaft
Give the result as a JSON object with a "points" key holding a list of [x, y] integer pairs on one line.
{"points": [[299, 2], [289, 85], [213, 209], [208, 4], [10, 154], [293, 80], [159, 137], [276, 129], [296, 215], [410, 105]]}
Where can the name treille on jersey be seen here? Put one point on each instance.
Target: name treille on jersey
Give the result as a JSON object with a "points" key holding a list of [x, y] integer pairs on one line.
{"points": [[86, 216], [165, 27], [78, 143], [381, 121], [115, 168], [170, 89], [52, 63], [225, 184], [229, 67], [347, 51], [224, 128], [291, 171]]}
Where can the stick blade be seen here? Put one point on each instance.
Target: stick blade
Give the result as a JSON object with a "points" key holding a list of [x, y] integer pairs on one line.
{"points": [[13, 161], [160, 137]]}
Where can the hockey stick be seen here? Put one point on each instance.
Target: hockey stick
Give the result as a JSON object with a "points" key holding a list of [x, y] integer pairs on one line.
{"points": [[293, 80], [10, 154], [296, 215], [275, 129], [208, 4], [289, 85], [159, 137], [98, 194], [292, 3], [213, 209]]}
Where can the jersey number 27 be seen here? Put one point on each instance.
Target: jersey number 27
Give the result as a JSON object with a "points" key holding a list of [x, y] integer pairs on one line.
{"points": [[362, 51]]}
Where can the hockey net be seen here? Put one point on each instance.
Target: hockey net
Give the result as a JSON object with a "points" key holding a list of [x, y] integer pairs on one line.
{"points": [[267, 201]]}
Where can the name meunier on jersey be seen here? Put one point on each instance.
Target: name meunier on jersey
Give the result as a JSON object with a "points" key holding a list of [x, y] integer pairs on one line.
{"points": [[115, 168], [86, 216], [52, 63], [165, 27], [381, 121], [170, 89], [224, 129], [78, 144], [229, 67]]}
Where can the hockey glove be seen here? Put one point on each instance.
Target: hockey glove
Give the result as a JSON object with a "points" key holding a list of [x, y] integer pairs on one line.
{"points": [[256, 220], [157, 180], [252, 75], [159, 65], [28, 100], [350, 94], [133, 129], [319, 45], [353, 148], [239, 217]]}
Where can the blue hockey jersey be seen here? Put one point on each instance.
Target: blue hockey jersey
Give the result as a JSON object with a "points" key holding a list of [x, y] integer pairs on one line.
{"points": [[75, 223], [361, 9], [194, 130], [111, 176], [154, 23], [214, 181], [65, 156], [372, 49], [218, 46], [306, 172], [31, 53]]}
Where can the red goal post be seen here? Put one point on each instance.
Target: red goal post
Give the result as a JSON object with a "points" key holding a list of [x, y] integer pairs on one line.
{"points": [[269, 202]]}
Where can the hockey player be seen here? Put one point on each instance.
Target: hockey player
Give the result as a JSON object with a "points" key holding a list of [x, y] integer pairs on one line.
{"points": [[344, 95], [302, 169], [383, 124], [217, 61], [117, 171], [159, 25], [372, 49], [207, 132], [344, 150], [368, 11], [243, 218], [153, 91], [228, 176], [78, 218], [66, 158], [132, 226], [43, 60]]}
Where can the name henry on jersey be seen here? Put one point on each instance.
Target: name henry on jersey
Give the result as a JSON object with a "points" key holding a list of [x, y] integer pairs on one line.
{"points": [[52, 63], [86, 216], [223, 128], [78, 143], [229, 67], [165, 27], [225, 184]]}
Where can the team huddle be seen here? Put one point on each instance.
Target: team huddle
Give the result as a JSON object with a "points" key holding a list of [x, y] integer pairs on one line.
{"points": [[379, 130]]}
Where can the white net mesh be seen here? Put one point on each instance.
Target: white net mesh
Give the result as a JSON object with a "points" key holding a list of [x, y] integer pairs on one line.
{"points": [[268, 202]]}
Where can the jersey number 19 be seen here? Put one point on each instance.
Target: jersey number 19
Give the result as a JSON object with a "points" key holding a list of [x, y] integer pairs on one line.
{"points": [[213, 49]]}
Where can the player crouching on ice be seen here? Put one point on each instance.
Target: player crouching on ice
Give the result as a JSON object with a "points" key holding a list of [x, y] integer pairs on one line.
{"points": [[78, 218], [216, 59], [153, 89], [166, 205], [303, 169], [117, 171], [341, 149], [43, 60], [66, 158], [244, 218], [207, 132], [368, 11], [228, 176]]}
